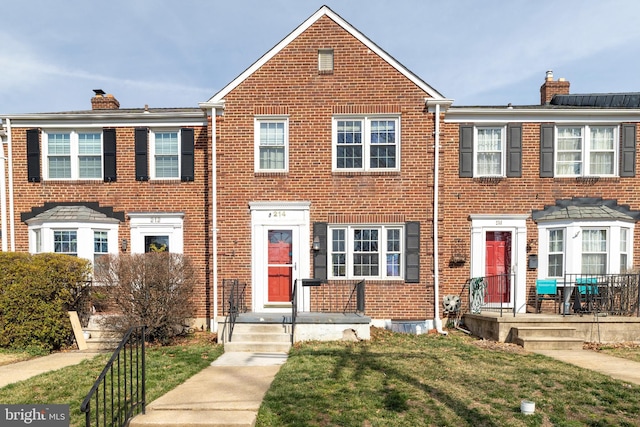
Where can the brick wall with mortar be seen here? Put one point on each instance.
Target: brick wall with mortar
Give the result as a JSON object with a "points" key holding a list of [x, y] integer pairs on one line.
{"points": [[128, 195], [361, 82], [461, 197]]}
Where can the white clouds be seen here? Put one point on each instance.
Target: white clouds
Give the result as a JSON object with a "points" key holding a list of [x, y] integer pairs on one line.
{"points": [[170, 53]]}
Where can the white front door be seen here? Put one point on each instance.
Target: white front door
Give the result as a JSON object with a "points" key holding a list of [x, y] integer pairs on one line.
{"points": [[280, 253]]}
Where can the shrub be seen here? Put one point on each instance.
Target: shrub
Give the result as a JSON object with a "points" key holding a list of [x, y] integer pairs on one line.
{"points": [[151, 289], [36, 291]]}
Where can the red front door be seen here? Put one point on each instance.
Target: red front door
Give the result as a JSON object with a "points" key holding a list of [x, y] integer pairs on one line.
{"points": [[498, 266], [280, 265]]}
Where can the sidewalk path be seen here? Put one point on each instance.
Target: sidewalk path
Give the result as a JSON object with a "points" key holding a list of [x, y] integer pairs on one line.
{"points": [[615, 367], [20, 371], [229, 392]]}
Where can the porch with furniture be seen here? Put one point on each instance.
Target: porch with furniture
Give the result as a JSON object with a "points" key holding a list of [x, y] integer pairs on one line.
{"points": [[586, 308]]}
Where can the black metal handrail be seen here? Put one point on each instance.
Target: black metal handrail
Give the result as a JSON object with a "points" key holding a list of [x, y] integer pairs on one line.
{"points": [[235, 296], [358, 291], [294, 308], [119, 393], [492, 293]]}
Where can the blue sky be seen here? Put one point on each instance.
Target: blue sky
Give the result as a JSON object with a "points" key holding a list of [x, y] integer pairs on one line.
{"points": [[177, 53]]}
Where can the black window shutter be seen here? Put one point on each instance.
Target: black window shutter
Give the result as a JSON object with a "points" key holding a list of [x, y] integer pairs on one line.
{"points": [[320, 231], [186, 155], [109, 154], [546, 150], [33, 155], [628, 151], [514, 150], [142, 163], [412, 252], [466, 151]]}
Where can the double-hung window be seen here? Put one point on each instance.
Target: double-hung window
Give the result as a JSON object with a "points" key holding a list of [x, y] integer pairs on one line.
{"points": [[366, 143], [165, 158], [366, 252], [65, 242], [490, 151], [556, 253], [624, 249], [594, 251], [73, 155], [271, 137], [586, 150]]}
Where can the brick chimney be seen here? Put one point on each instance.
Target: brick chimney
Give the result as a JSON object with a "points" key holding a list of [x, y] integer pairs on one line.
{"points": [[550, 88], [104, 102]]}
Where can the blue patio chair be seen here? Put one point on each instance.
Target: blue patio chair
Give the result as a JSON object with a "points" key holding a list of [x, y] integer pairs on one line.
{"points": [[588, 293], [547, 289]]}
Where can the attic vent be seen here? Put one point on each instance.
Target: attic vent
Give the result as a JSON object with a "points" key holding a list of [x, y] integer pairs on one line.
{"points": [[325, 60]]}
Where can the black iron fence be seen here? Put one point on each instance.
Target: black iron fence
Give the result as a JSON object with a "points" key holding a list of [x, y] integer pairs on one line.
{"points": [[119, 393], [234, 296], [615, 294]]}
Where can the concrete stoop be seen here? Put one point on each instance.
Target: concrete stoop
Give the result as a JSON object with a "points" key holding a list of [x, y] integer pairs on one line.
{"points": [[260, 338], [100, 338], [547, 338]]}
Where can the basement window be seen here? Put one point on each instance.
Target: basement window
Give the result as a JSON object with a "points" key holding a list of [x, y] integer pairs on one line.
{"points": [[325, 61]]}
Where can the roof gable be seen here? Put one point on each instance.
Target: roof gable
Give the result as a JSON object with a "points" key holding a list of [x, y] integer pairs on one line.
{"points": [[324, 11]]}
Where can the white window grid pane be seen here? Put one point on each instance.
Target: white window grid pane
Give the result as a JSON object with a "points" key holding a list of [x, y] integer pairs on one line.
{"points": [[59, 167], [338, 253], [383, 144], [594, 251], [272, 158], [89, 144], [602, 150], [167, 166], [166, 143], [394, 245], [569, 151], [100, 242], [90, 167], [489, 148], [59, 144], [65, 242], [556, 253], [366, 252], [272, 134]]}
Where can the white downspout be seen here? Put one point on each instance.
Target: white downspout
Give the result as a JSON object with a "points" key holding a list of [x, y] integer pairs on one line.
{"points": [[3, 192], [11, 209], [437, 322], [214, 220]]}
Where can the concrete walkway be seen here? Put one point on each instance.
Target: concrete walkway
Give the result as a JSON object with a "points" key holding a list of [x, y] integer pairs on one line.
{"points": [[20, 371], [227, 393], [615, 367]]}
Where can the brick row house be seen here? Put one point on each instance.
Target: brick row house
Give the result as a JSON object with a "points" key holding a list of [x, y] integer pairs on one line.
{"points": [[325, 159]]}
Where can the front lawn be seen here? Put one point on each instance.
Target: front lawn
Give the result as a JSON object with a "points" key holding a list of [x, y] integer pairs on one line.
{"points": [[428, 380]]}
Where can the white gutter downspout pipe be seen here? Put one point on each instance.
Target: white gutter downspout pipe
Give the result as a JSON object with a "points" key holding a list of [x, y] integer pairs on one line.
{"points": [[437, 321], [3, 191], [11, 207]]}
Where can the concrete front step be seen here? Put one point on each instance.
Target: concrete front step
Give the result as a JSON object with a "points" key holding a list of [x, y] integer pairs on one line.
{"points": [[544, 331], [195, 418], [550, 343], [260, 337]]}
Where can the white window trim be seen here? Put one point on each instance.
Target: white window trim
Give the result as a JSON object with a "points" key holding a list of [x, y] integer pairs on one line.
{"points": [[573, 244], [144, 224], [503, 150], [366, 143], [74, 154], [382, 252], [586, 137], [41, 236], [152, 154], [256, 137]]}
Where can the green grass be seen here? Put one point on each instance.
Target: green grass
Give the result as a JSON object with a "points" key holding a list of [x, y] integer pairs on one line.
{"points": [[167, 367], [426, 380]]}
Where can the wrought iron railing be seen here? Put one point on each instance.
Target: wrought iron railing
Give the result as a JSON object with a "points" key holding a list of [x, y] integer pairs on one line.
{"points": [[615, 294], [233, 293], [492, 293], [119, 393], [334, 297]]}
